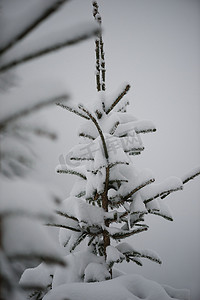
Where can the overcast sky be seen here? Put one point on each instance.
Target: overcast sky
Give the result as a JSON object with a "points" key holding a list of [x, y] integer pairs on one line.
{"points": [[154, 45]]}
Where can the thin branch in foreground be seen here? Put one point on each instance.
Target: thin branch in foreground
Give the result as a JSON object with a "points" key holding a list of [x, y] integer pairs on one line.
{"points": [[31, 109], [45, 50], [40, 18]]}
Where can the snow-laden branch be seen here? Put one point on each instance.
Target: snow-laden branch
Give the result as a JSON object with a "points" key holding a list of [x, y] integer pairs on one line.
{"points": [[32, 21], [30, 109], [73, 109], [100, 55], [126, 233], [191, 175], [163, 189], [37, 48], [98, 128], [186, 178], [138, 188], [67, 170], [121, 95]]}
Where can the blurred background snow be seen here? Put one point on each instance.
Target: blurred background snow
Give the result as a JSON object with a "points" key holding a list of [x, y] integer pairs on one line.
{"points": [[154, 45]]}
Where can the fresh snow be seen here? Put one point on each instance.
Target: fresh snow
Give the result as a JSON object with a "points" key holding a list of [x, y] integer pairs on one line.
{"points": [[126, 287], [79, 265], [84, 212], [38, 277]]}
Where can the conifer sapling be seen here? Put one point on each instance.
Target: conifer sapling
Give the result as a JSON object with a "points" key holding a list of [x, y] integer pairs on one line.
{"points": [[110, 198]]}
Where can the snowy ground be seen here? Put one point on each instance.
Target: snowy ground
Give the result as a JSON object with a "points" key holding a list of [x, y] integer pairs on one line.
{"points": [[126, 287]]}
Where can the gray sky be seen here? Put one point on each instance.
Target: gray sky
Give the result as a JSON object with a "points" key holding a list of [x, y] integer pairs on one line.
{"points": [[154, 45]]}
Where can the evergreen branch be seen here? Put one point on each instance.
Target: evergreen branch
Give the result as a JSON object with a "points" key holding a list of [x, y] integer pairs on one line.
{"points": [[81, 194], [81, 158], [134, 153], [150, 257], [28, 110], [103, 65], [158, 213], [82, 134], [123, 108], [139, 219], [71, 109], [134, 150], [72, 172], [98, 80], [45, 50], [112, 130], [124, 234], [63, 226], [93, 229], [97, 47], [66, 215], [145, 130], [163, 194], [136, 260], [100, 55], [41, 17], [194, 173], [110, 165], [78, 241], [125, 91], [191, 175], [138, 188], [91, 240], [98, 128]]}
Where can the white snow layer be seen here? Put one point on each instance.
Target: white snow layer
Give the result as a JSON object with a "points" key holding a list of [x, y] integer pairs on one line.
{"points": [[127, 287], [80, 266], [39, 277], [83, 211]]}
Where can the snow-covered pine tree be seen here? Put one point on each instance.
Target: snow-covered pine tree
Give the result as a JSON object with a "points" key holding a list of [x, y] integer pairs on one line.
{"points": [[108, 203], [110, 198]]}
